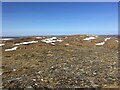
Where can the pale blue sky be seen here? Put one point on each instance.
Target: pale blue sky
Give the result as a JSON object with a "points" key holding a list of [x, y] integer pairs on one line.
{"points": [[25, 18]]}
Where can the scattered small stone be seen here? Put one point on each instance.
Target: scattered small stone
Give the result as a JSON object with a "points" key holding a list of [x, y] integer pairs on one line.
{"points": [[36, 84], [61, 66], [94, 73], [34, 79], [67, 44], [40, 72], [52, 67], [53, 44], [42, 79], [14, 70]]}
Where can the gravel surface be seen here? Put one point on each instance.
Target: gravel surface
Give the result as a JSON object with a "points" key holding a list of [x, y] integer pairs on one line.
{"points": [[61, 62]]}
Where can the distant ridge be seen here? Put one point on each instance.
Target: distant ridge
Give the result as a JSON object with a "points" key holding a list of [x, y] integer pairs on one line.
{"points": [[54, 35], [9, 37], [110, 35]]}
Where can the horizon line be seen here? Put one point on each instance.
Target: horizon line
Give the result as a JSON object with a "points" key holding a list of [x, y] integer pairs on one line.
{"points": [[59, 35]]}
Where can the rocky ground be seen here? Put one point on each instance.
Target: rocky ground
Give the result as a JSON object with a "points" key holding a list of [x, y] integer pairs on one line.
{"points": [[78, 61]]}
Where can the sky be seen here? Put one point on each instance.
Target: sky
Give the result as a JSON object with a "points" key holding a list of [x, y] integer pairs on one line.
{"points": [[59, 18]]}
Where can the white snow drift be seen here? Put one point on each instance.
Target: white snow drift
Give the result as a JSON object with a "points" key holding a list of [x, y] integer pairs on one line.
{"points": [[5, 39], [107, 39], [116, 40], [12, 49], [2, 44], [101, 43], [51, 40], [89, 38], [25, 43], [38, 37]]}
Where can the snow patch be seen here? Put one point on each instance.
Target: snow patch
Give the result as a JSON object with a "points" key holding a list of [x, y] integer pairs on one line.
{"points": [[51, 40], [5, 39], [29, 42], [12, 49], [107, 39], [101, 43], [2, 44], [89, 38], [116, 40], [25, 43], [17, 44], [59, 40], [92, 35], [38, 37]]}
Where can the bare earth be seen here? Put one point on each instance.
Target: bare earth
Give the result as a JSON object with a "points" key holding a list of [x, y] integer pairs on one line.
{"points": [[60, 62]]}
